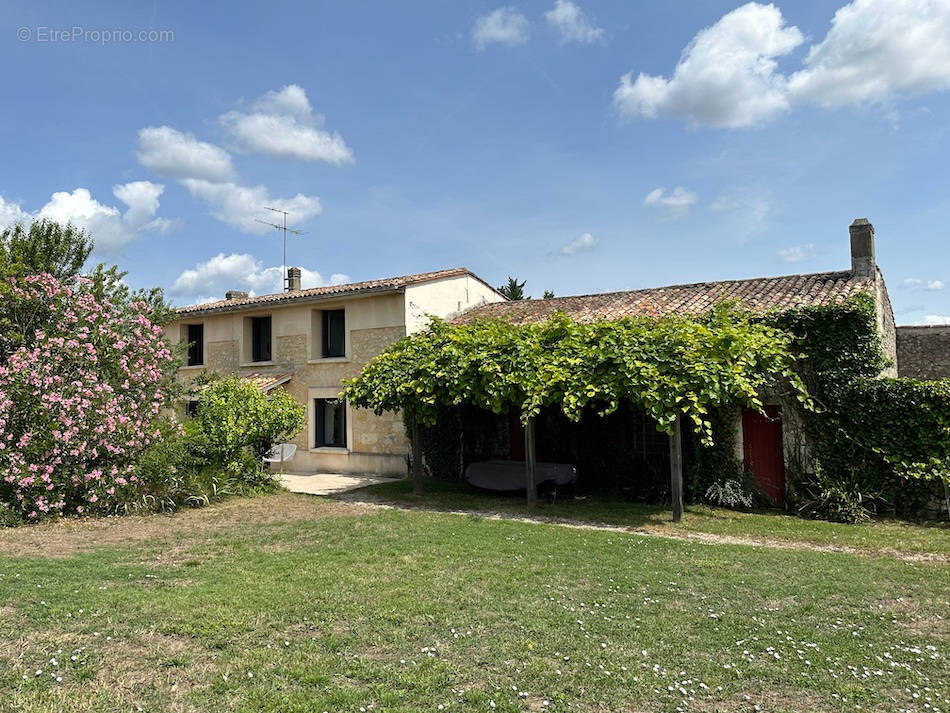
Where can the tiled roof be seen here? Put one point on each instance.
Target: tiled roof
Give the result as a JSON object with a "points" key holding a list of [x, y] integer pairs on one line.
{"points": [[383, 285], [266, 382], [758, 294]]}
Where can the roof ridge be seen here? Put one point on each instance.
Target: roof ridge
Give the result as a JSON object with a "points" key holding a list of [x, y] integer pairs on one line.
{"points": [[342, 288], [695, 284], [757, 293]]}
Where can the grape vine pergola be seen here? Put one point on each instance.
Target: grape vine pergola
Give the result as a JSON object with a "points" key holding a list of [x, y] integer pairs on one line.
{"points": [[675, 368]]}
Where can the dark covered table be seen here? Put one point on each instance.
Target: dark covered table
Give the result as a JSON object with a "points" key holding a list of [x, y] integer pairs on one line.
{"points": [[508, 475]]}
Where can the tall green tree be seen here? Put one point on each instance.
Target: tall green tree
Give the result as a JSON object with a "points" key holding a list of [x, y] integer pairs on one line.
{"points": [[108, 283], [61, 251], [46, 246], [514, 290]]}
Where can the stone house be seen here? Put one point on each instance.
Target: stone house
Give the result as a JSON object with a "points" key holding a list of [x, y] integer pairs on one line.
{"points": [[308, 340], [766, 444]]}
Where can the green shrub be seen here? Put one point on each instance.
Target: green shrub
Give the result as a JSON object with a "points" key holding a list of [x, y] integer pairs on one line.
{"points": [[236, 424], [175, 472], [9, 517], [729, 493], [836, 500]]}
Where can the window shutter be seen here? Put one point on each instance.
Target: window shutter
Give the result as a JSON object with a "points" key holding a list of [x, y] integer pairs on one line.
{"points": [[320, 416]]}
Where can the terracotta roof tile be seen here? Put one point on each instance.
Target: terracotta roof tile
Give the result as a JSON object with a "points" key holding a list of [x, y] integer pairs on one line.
{"points": [[280, 298], [266, 382], [758, 294]]}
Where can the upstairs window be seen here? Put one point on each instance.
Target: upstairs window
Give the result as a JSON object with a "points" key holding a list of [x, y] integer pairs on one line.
{"points": [[334, 333], [260, 338], [330, 422], [196, 344]]}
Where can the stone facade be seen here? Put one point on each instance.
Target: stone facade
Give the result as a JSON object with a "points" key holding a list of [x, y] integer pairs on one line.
{"points": [[924, 352], [374, 443], [885, 324]]}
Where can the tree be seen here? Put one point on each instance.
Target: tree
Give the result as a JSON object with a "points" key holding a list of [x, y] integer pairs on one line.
{"points": [[59, 253], [549, 294], [514, 290], [240, 423], [81, 397], [45, 247], [108, 284], [671, 367]]}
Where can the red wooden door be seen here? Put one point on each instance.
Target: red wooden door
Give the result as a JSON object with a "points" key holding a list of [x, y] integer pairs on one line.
{"points": [[762, 451]]}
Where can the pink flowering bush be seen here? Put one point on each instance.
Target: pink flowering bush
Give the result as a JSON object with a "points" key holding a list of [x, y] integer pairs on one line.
{"points": [[82, 387]]}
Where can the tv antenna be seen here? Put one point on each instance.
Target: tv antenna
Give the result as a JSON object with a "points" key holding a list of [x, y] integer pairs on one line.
{"points": [[284, 229]]}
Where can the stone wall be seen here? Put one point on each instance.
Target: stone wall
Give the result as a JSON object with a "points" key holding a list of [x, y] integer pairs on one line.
{"points": [[924, 352], [375, 444], [371, 433], [885, 324]]}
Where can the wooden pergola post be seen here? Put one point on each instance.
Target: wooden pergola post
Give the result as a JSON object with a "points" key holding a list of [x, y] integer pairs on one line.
{"points": [[529, 461], [676, 470], [417, 472]]}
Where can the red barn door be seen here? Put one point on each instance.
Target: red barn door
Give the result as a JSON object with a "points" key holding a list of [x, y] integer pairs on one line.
{"points": [[762, 451]]}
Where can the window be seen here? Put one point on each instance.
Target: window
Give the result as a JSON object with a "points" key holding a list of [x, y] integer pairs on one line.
{"points": [[260, 338], [334, 339], [330, 420], [196, 344], [191, 409]]}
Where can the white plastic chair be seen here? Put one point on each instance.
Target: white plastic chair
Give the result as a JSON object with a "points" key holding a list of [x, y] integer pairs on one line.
{"points": [[281, 453]]}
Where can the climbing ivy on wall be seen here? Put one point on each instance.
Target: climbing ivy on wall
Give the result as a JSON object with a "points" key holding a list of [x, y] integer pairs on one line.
{"points": [[886, 437]]}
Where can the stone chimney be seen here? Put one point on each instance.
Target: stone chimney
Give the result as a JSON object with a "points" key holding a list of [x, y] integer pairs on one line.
{"points": [[862, 249], [235, 295], [293, 279]]}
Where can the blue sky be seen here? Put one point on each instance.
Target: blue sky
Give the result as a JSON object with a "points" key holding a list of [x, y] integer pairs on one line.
{"points": [[583, 146]]}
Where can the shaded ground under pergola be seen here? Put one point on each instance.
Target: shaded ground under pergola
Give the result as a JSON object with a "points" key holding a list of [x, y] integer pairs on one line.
{"points": [[602, 464]]}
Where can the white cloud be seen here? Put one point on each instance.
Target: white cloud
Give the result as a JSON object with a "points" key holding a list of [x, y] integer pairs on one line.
{"points": [[283, 124], [580, 244], [292, 99], [748, 210], [727, 76], [674, 205], [279, 123], [11, 212], [876, 49], [504, 26], [239, 271], [240, 206], [799, 253], [169, 152], [936, 319], [108, 226], [572, 23], [915, 283]]}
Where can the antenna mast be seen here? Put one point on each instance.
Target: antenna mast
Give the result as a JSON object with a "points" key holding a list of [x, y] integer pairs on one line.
{"points": [[284, 229]]}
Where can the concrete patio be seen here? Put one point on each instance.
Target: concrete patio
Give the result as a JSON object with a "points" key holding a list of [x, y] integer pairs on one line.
{"points": [[328, 483]]}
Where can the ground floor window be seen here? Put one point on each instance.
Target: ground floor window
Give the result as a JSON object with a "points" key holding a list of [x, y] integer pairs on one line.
{"points": [[330, 423]]}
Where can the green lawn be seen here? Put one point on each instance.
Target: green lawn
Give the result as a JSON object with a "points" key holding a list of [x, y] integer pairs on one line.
{"points": [[293, 603], [891, 536]]}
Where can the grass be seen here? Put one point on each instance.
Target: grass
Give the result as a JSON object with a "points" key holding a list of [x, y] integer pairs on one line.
{"points": [[882, 536], [292, 603]]}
